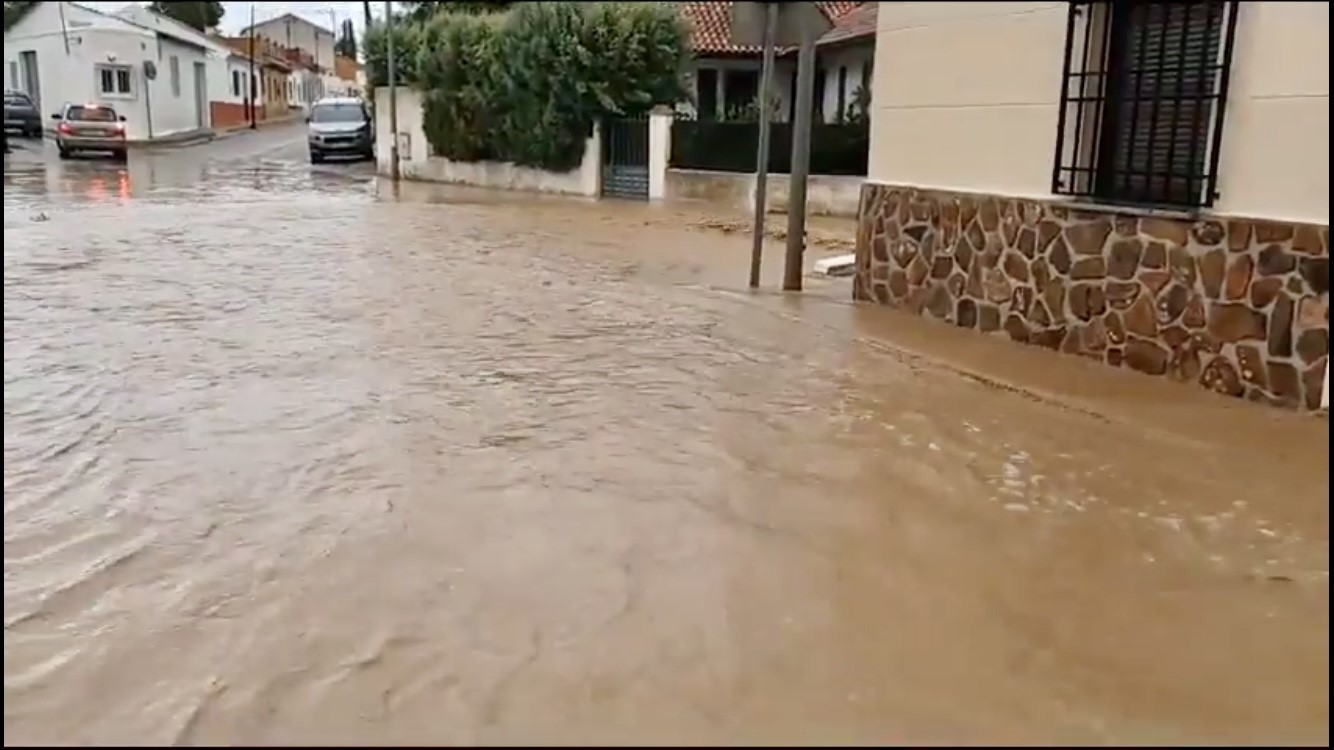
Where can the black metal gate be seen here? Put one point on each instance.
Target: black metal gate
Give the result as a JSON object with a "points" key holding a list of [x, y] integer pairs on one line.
{"points": [[625, 159]]}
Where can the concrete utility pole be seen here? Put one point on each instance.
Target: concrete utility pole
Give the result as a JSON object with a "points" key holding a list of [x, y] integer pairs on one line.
{"points": [[393, 90], [762, 151], [801, 164]]}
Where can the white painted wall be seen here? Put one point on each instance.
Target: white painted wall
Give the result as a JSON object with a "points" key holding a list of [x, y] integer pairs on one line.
{"points": [[295, 32], [305, 87], [98, 40], [853, 59], [1274, 160], [216, 58], [826, 195], [966, 97], [659, 153], [172, 93], [416, 161], [296, 90], [237, 72]]}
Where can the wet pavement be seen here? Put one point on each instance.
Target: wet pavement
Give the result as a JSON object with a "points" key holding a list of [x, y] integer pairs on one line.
{"points": [[293, 457]]}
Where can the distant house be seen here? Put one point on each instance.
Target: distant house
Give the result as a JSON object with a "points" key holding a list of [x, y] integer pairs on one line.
{"points": [[155, 75], [725, 76], [271, 71], [223, 66], [349, 78], [293, 32]]}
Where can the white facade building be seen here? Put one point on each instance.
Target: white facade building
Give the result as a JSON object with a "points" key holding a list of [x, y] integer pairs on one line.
{"points": [[63, 52], [218, 69], [294, 32]]}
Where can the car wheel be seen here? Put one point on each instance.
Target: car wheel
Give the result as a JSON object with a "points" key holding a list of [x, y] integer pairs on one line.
{"points": [[120, 156], [316, 157], [34, 133], [64, 152]]}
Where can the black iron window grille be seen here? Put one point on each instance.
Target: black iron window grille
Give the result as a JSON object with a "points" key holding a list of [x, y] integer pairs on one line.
{"points": [[1145, 88]]}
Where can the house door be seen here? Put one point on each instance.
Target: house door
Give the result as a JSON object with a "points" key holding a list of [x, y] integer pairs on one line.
{"points": [[201, 96], [625, 159], [32, 83]]}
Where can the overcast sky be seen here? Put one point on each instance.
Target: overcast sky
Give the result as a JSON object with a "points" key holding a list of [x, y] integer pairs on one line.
{"points": [[237, 14]]}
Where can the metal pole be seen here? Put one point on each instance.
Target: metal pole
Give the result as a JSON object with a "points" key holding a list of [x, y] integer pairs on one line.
{"points": [[333, 64], [762, 151], [366, 11], [393, 90], [250, 85], [801, 162]]}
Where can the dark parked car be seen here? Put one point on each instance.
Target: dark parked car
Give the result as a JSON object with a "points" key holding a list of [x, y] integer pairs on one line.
{"points": [[90, 127], [340, 126], [21, 114]]}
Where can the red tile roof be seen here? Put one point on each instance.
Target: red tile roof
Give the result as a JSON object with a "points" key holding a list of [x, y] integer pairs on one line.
{"points": [[711, 25], [858, 23]]}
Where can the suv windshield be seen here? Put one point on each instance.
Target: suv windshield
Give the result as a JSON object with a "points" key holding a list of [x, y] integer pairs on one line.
{"points": [[337, 113], [91, 114]]}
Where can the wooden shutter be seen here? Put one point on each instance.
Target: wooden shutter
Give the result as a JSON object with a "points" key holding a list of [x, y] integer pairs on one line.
{"points": [[1165, 68]]}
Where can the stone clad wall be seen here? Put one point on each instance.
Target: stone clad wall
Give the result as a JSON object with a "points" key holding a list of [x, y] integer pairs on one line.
{"points": [[1238, 306]]}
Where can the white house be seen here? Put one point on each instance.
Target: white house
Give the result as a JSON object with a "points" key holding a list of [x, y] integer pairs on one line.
{"points": [[225, 69], [294, 32], [157, 78], [725, 75]]}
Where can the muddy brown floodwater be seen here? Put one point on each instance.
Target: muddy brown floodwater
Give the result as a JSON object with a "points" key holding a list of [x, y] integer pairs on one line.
{"points": [[289, 459]]}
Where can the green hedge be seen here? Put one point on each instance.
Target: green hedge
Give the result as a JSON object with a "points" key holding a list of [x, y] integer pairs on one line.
{"points": [[526, 86]]}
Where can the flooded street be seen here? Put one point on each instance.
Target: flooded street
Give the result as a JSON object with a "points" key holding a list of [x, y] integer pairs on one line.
{"points": [[292, 459]]}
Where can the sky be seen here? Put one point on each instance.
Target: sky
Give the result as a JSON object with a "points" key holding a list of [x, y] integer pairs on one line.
{"points": [[237, 14]]}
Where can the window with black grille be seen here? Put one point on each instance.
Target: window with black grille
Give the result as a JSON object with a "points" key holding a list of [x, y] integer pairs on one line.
{"points": [[1145, 88]]}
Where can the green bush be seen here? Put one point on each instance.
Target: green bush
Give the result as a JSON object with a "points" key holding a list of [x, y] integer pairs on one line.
{"points": [[407, 49], [526, 86]]}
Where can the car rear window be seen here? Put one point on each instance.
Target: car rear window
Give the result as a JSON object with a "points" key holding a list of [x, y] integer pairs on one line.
{"points": [[91, 114], [337, 113], [18, 99]]}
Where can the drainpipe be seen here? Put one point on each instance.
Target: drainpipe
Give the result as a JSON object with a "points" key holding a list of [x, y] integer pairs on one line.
{"points": [[148, 103]]}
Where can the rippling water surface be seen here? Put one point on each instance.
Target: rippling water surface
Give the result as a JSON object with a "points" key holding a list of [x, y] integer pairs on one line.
{"points": [[290, 458]]}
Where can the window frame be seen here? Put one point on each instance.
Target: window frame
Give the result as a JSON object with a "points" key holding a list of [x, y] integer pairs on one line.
{"points": [[115, 72], [174, 71], [1099, 81]]}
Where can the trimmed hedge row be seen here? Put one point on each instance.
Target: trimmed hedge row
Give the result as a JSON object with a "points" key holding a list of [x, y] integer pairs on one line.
{"points": [[526, 86]]}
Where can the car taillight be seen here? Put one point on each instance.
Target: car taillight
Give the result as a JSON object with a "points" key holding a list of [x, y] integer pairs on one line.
{"points": [[64, 128], [120, 129]]}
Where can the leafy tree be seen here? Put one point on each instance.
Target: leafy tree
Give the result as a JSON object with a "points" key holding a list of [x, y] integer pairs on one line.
{"points": [[422, 10], [198, 15], [346, 45], [14, 11]]}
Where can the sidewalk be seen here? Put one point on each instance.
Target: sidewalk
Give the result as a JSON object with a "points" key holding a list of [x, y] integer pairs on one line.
{"points": [[286, 119]]}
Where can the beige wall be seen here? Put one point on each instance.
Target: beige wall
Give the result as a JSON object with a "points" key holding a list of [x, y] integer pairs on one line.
{"points": [[966, 97]]}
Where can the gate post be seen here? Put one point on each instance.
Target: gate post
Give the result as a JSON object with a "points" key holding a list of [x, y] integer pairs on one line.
{"points": [[659, 150], [590, 170]]}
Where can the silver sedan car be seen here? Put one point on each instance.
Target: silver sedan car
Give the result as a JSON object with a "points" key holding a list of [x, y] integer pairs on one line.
{"points": [[90, 127]]}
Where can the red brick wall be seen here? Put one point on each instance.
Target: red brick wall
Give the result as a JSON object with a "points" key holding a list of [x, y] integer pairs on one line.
{"points": [[228, 115]]}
